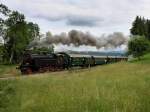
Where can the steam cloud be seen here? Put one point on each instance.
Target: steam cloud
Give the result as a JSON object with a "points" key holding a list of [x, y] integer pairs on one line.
{"points": [[78, 38]]}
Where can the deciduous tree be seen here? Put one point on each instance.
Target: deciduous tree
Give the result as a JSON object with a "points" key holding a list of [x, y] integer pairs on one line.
{"points": [[138, 46]]}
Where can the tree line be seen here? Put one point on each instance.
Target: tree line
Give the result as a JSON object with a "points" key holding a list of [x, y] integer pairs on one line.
{"points": [[16, 33], [139, 44], [141, 26]]}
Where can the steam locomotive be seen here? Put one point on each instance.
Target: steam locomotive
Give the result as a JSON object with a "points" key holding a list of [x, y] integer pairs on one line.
{"points": [[34, 63]]}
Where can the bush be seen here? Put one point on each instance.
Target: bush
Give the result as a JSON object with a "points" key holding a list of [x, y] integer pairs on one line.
{"points": [[138, 46]]}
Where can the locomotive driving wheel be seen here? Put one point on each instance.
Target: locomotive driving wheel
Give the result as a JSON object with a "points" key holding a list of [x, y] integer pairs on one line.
{"points": [[60, 61], [28, 71]]}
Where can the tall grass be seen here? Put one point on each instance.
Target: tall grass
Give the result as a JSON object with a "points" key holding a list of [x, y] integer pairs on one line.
{"points": [[8, 71], [121, 87]]}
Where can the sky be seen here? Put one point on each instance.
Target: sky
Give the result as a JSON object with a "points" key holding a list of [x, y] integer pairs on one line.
{"points": [[94, 16]]}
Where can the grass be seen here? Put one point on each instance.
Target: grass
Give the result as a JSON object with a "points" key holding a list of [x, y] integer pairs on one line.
{"points": [[144, 60], [8, 71], [120, 87]]}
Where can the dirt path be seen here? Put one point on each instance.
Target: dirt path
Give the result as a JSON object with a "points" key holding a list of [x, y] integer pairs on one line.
{"points": [[10, 78]]}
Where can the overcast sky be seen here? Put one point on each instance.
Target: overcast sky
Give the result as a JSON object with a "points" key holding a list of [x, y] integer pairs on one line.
{"points": [[95, 16]]}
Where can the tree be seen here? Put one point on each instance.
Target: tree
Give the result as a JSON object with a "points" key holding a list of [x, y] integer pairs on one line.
{"points": [[138, 27], [4, 10], [148, 29], [16, 36], [1, 52], [33, 31], [19, 34], [16, 33], [1, 49], [141, 26], [138, 46]]}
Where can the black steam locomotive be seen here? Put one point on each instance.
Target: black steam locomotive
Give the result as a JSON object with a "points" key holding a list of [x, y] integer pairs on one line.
{"points": [[33, 63]]}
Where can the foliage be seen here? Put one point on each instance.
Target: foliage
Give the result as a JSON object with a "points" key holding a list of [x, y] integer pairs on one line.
{"points": [[1, 27], [17, 33], [16, 36], [5, 12], [138, 26], [141, 26], [1, 49], [4, 9], [33, 31], [138, 46], [1, 53]]}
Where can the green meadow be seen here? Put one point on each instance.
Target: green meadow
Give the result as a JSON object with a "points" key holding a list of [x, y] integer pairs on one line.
{"points": [[119, 87]]}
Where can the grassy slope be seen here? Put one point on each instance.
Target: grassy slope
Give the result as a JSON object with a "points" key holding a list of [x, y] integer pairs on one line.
{"points": [[122, 87]]}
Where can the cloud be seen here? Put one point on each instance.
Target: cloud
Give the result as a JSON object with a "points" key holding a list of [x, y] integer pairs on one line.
{"points": [[102, 15], [83, 21], [95, 16], [54, 11], [72, 19], [72, 15]]}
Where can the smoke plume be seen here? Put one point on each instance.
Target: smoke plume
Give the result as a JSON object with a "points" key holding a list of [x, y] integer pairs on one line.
{"points": [[78, 38]]}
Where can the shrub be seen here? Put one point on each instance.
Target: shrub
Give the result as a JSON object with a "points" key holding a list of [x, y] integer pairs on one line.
{"points": [[138, 46]]}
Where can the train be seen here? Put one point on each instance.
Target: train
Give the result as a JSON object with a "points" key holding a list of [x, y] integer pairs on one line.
{"points": [[37, 63]]}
